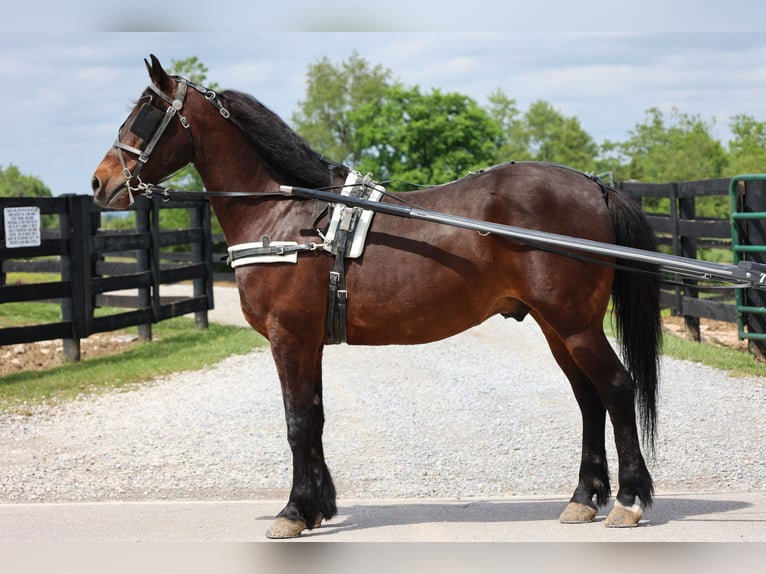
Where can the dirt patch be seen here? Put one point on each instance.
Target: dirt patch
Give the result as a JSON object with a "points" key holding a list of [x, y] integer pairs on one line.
{"points": [[50, 354], [716, 333]]}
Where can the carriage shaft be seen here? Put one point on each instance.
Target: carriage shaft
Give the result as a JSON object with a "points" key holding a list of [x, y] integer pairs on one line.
{"points": [[750, 273]]}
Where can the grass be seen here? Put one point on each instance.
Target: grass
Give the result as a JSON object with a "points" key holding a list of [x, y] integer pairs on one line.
{"points": [[21, 314], [735, 362], [178, 345]]}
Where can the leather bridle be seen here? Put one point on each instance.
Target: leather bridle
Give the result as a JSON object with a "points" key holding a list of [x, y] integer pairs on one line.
{"points": [[175, 105]]}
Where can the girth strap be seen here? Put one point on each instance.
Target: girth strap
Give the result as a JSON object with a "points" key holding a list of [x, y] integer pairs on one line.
{"points": [[337, 296], [266, 251]]}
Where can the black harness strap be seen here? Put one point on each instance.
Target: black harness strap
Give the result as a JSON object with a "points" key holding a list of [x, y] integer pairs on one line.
{"points": [[337, 296]]}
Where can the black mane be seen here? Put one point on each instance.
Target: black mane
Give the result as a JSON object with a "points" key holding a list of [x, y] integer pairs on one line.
{"points": [[284, 151]]}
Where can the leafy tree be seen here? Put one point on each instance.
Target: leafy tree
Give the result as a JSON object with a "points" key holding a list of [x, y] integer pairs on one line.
{"points": [[556, 138], [681, 149], [13, 183], [514, 141], [542, 133], [747, 148], [193, 70], [423, 138], [333, 92]]}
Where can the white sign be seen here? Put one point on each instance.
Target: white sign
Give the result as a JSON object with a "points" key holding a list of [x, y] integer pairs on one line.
{"points": [[22, 226]]}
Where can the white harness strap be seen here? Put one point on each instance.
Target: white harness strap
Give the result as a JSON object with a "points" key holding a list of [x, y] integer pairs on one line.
{"points": [[353, 220]]}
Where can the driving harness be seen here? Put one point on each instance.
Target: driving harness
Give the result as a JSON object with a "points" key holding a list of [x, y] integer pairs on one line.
{"points": [[344, 238]]}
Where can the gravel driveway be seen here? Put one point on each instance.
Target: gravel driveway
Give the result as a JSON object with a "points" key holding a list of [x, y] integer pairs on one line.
{"points": [[484, 414]]}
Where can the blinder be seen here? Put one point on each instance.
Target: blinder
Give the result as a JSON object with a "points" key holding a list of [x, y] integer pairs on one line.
{"points": [[147, 121]]}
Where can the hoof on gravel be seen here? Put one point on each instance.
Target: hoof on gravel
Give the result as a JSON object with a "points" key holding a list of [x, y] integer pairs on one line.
{"points": [[286, 528], [623, 516], [318, 522], [577, 513]]}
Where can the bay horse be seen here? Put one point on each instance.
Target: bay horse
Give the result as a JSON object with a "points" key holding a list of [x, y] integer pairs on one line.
{"points": [[415, 282]]}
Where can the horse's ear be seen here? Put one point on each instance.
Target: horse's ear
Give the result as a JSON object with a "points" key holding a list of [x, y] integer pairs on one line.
{"points": [[157, 73]]}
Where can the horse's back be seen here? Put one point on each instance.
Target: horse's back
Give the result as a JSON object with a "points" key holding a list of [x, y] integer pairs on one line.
{"points": [[420, 281]]}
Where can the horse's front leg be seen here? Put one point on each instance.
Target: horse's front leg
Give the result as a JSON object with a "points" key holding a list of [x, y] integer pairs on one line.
{"points": [[312, 497]]}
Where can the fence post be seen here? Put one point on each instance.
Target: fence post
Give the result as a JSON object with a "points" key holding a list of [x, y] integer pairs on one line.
{"points": [[675, 246], [199, 218], [687, 210], [81, 273], [71, 347], [144, 264], [154, 258]]}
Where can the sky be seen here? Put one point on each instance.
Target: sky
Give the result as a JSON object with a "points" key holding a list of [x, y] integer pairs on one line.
{"points": [[65, 93]]}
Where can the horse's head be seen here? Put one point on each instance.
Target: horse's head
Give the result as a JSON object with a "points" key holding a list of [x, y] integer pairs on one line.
{"points": [[153, 143]]}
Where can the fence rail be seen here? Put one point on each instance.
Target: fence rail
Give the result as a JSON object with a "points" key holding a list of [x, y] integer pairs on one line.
{"points": [[681, 231], [84, 255], [91, 276], [673, 210]]}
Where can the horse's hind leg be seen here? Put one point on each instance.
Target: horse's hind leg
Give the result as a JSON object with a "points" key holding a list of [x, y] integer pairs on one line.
{"points": [[312, 497], [616, 388], [593, 488], [594, 358]]}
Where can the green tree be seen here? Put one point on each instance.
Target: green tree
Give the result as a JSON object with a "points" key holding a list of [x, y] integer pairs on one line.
{"points": [[747, 149], [13, 183], [333, 92], [423, 138], [193, 70], [681, 148], [556, 138], [514, 141], [542, 133]]}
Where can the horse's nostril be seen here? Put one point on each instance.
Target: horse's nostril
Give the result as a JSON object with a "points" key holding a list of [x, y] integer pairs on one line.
{"points": [[95, 184]]}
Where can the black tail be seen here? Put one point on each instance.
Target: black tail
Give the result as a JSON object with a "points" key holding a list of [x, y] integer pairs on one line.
{"points": [[636, 302]]}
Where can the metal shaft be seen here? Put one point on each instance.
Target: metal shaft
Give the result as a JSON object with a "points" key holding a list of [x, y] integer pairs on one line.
{"points": [[748, 272]]}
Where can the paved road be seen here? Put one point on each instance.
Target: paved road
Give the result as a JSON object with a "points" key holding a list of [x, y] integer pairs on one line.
{"points": [[729, 517]]}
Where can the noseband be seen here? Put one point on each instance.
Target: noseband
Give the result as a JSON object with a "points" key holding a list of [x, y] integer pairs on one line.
{"points": [[148, 121]]}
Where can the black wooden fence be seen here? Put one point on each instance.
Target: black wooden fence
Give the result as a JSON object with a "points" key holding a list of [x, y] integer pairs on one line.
{"points": [[673, 211], [681, 231], [79, 250], [91, 265]]}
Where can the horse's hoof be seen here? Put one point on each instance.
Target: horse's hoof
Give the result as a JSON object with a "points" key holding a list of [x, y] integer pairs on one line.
{"points": [[286, 528], [319, 520], [623, 516], [577, 513]]}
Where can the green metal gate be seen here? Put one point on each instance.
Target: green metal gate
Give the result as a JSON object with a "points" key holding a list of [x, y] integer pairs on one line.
{"points": [[747, 199]]}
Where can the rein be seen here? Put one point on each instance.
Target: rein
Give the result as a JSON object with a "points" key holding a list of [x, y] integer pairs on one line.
{"points": [[170, 194]]}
